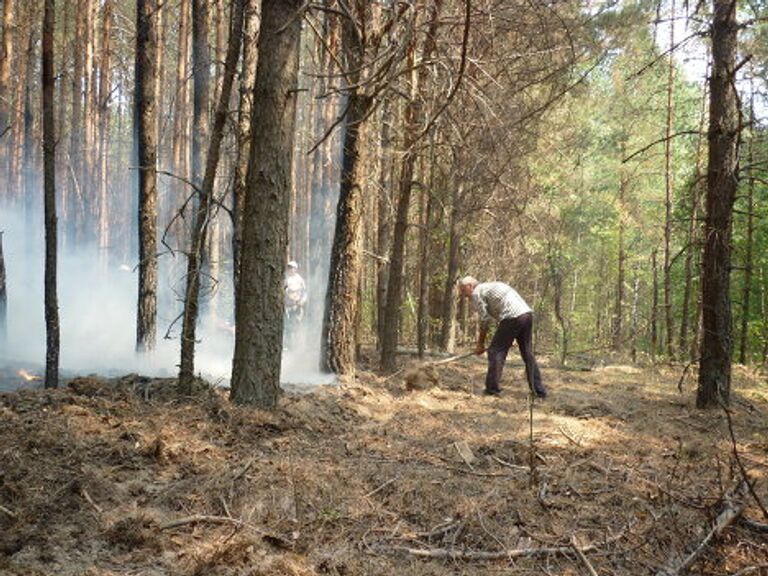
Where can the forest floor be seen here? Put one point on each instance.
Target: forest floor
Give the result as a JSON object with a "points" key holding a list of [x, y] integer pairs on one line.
{"points": [[108, 477]]}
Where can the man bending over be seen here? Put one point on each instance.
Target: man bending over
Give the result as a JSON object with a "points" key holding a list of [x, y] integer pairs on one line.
{"points": [[500, 302]]}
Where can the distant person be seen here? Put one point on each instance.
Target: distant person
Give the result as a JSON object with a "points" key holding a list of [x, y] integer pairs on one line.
{"points": [[295, 300], [499, 301]]}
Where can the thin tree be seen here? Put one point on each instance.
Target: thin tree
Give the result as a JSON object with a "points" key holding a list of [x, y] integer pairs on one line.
{"points": [[339, 321], [414, 118], [146, 153], [49, 190], [668, 187], [247, 79], [750, 239], [717, 338], [201, 66], [204, 210], [259, 310], [6, 57]]}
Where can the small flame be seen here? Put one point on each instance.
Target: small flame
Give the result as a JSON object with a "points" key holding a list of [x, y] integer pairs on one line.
{"points": [[27, 376]]}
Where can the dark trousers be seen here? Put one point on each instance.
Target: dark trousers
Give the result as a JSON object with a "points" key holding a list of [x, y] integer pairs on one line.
{"points": [[509, 330]]}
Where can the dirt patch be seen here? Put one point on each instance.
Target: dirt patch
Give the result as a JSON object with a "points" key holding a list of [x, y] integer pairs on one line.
{"points": [[121, 476]]}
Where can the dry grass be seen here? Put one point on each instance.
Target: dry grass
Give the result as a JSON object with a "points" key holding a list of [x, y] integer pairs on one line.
{"points": [[346, 480]]}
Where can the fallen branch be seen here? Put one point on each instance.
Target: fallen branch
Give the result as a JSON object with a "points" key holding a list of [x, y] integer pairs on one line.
{"points": [[750, 569], [755, 525], [380, 488], [90, 501], [460, 554], [733, 508], [8, 512], [583, 557], [203, 519]]}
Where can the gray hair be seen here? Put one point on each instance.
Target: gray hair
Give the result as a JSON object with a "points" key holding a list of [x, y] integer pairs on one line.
{"points": [[468, 281]]}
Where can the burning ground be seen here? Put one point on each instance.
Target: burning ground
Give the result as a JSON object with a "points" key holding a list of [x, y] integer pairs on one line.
{"points": [[110, 477]]}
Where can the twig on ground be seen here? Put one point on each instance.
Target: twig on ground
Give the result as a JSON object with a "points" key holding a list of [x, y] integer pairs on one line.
{"points": [[733, 508], [8, 512], [751, 569], [582, 556], [463, 554], [569, 437], [204, 519], [90, 501], [509, 464], [754, 525], [380, 488]]}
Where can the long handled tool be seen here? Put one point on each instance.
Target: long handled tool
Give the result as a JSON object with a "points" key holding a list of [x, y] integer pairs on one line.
{"points": [[453, 358]]}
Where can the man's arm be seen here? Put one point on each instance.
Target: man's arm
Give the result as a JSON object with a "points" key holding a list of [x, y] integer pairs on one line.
{"points": [[485, 320]]}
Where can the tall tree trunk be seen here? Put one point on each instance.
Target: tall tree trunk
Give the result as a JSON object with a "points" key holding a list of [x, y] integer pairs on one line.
{"points": [[654, 306], [3, 304], [413, 120], [6, 57], [448, 325], [201, 65], [76, 201], [25, 38], [259, 320], [181, 134], [49, 175], [748, 263], [146, 143], [668, 189], [618, 314], [693, 236], [105, 95], [422, 322], [245, 110], [383, 226], [204, 209], [717, 341], [339, 327]]}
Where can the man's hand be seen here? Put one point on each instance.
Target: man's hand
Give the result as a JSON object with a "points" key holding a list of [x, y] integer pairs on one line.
{"points": [[479, 349]]}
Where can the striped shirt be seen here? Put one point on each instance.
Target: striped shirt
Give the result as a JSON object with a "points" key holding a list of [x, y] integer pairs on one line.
{"points": [[498, 301]]}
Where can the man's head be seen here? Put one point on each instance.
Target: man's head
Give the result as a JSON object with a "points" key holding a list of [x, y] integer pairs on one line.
{"points": [[292, 267], [467, 286]]}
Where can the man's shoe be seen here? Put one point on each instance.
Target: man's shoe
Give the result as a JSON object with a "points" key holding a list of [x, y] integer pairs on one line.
{"points": [[540, 394], [491, 392]]}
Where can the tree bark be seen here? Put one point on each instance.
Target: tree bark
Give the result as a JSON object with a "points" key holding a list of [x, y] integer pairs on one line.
{"points": [[204, 211], [717, 340], [181, 134], [259, 315], [6, 57], [3, 304], [105, 95], [201, 65], [668, 190], [748, 260], [245, 111], [413, 120], [448, 325], [49, 175], [146, 124]]}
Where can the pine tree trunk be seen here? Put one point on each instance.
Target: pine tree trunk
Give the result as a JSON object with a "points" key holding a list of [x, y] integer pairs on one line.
{"points": [[383, 226], [25, 38], [204, 211], [694, 229], [3, 304], [717, 341], [105, 95], [201, 65], [748, 263], [413, 120], [618, 314], [668, 189], [259, 320], [654, 306], [76, 201], [448, 326], [181, 134], [49, 175], [146, 124], [6, 57], [422, 322], [247, 78]]}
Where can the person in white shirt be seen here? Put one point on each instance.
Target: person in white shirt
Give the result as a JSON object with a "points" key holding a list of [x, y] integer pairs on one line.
{"points": [[295, 300], [499, 301]]}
